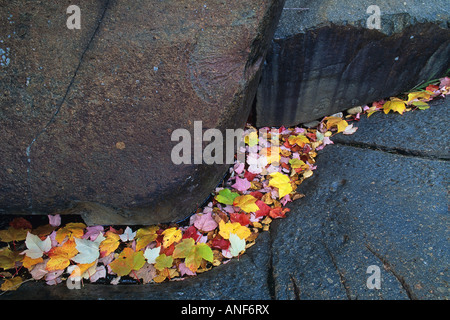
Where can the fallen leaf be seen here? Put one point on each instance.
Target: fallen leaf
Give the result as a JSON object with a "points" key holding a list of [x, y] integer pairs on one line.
{"points": [[152, 254], [225, 196], [60, 256], [395, 105], [127, 261], [282, 182], [171, 235], [193, 253], [145, 235], [237, 245], [246, 202], [205, 222], [13, 234], [8, 258], [163, 261], [36, 247], [88, 250], [127, 235], [233, 227], [70, 230], [241, 185], [11, 284], [110, 244]]}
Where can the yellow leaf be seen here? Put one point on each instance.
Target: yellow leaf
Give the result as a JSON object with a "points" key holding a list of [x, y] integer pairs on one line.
{"points": [[300, 140], [73, 229], [338, 122], [396, 105], [246, 202], [171, 235], [272, 154], [418, 95], [233, 227], [11, 284], [28, 262], [145, 235], [282, 182], [110, 244]]}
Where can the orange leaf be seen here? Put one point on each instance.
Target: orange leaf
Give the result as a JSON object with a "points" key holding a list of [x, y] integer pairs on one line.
{"points": [[110, 244], [60, 256], [70, 230]]}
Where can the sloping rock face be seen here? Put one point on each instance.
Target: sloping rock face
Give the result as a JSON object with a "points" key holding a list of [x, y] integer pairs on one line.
{"points": [[325, 59], [87, 114]]}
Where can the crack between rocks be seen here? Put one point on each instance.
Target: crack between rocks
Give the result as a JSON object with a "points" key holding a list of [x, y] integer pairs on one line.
{"points": [[59, 106], [340, 273], [296, 287], [270, 270], [390, 268], [392, 150]]}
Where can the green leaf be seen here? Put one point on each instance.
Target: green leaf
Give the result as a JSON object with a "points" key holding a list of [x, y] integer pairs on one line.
{"points": [[193, 253], [225, 196], [421, 105], [163, 261]]}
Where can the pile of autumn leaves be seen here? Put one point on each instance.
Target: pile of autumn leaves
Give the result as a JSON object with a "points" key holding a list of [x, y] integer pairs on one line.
{"points": [[255, 194]]}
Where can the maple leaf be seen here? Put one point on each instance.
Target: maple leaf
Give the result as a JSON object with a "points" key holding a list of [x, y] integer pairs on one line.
{"points": [[13, 234], [338, 122], [278, 212], [164, 274], [110, 244], [27, 262], [423, 95], [70, 230], [264, 209], [11, 284], [246, 202], [152, 254], [300, 140], [54, 220], [242, 218], [282, 182], [225, 196], [127, 235], [88, 250], [163, 261], [146, 273], [193, 253], [233, 227], [237, 245], [127, 261], [205, 222], [8, 258], [145, 235], [395, 105], [171, 235], [60, 256], [241, 185], [36, 246], [297, 163]]}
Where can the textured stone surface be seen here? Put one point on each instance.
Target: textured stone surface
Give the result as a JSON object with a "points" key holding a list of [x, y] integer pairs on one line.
{"points": [[324, 59], [87, 115], [361, 207]]}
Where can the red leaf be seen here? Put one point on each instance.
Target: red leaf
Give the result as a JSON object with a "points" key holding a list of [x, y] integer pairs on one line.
{"points": [[220, 243], [249, 176], [242, 218], [264, 209], [20, 223], [278, 212], [256, 194], [169, 250], [191, 232]]}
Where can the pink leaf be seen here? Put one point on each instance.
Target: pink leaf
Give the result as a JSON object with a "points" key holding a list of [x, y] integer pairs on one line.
{"points": [[205, 222], [54, 220], [185, 270], [241, 184]]}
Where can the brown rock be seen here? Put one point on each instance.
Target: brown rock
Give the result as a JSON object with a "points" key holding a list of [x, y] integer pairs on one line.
{"points": [[87, 114]]}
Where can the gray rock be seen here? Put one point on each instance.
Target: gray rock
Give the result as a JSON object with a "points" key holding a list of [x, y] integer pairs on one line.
{"points": [[324, 59]]}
